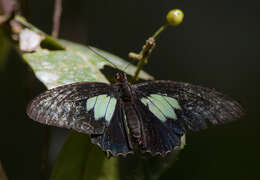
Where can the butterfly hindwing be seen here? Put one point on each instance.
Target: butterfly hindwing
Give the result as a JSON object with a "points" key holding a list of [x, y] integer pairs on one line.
{"points": [[86, 107], [114, 140], [157, 136], [193, 105]]}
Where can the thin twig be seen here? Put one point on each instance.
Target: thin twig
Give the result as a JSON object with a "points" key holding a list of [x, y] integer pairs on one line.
{"points": [[161, 29], [7, 8], [144, 54], [56, 18]]}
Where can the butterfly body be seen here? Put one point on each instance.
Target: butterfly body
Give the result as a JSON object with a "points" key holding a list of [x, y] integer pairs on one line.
{"points": [[150, 116]]}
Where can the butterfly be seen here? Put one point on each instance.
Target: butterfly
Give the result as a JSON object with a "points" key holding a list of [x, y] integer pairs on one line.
{"points": [[124, 118]]}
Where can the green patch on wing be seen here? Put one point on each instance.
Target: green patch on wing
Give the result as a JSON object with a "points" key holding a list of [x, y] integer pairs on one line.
{"points": [[103, 105], [110, 109], [100, 106], [91, 103], [161, 106], [173, 102]]}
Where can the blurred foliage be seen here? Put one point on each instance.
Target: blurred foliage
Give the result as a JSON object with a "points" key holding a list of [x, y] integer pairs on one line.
{"points": [[5, 46]]}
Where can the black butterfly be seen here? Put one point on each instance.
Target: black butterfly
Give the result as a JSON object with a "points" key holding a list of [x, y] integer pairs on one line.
{"points": [[123, 117]]}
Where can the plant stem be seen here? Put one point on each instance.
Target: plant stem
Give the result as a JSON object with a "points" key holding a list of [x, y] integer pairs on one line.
{"points": [[146, 51], [56, 18], [161, 29], [140, 65]]}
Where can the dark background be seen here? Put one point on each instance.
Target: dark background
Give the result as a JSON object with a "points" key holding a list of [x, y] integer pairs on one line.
{"points": [[216, 46]]}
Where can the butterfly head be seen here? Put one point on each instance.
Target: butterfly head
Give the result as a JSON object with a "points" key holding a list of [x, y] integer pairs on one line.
{"points": [[121, 77]]}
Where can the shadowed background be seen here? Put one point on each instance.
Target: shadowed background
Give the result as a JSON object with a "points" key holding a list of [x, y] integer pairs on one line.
{"points": [[216, 46]]}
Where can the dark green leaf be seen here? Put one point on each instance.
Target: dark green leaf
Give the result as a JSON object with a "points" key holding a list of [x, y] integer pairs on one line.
{"points": [[79, 159]]}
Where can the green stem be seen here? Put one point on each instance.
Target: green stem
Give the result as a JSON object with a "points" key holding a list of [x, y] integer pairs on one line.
{"points": [[161, 29], [146, 51], [140, 65]]}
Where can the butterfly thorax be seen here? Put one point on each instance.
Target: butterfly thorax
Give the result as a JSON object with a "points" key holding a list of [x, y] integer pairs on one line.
{"points": [[123, 87]]}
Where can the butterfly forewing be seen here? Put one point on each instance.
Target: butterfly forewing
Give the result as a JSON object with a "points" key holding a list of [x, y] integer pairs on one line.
{"points": [[86, 107], [193, 105]]}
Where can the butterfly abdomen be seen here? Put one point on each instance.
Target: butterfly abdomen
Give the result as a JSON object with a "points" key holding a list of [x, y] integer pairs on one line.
{"points": [[133, 121]]}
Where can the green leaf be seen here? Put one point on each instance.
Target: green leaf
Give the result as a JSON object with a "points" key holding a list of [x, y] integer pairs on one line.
{"points": [[71, 160], [109, 170], [95, 59], [61, 67], [100, 58], [79, 159], [76, 63]]}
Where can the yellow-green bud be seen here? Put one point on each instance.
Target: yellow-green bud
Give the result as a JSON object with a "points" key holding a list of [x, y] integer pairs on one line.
{"points": [[175, 17]]}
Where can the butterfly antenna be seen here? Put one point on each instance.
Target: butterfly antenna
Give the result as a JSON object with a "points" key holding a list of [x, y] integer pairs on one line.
{"points": [[102, 56], [126, 66]]}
